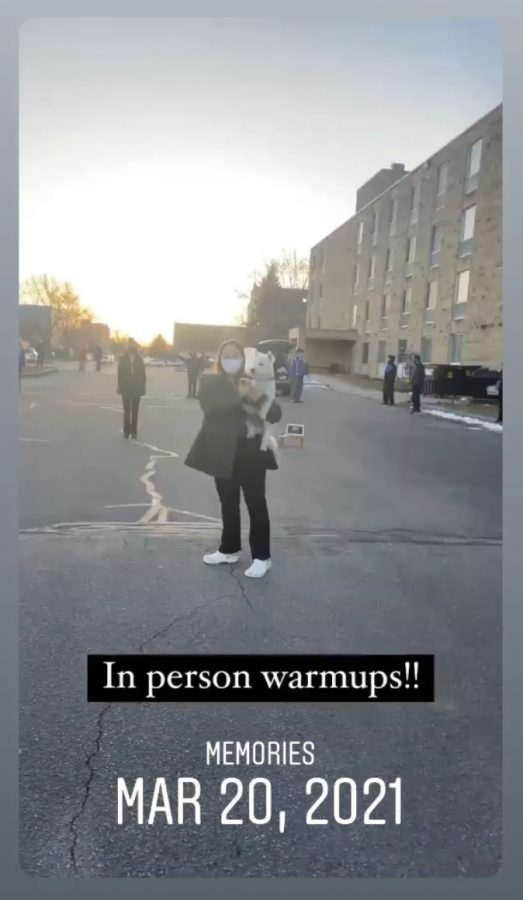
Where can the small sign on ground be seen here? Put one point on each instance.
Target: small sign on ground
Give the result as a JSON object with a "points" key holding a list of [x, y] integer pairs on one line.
{"points": [[297, 432]]}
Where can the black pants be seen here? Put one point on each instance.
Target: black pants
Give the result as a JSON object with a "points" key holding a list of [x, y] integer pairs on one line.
{"points": [[193, 385], [249, 476], [416, 395], [388, 393], [500, 407], [130, 415]]}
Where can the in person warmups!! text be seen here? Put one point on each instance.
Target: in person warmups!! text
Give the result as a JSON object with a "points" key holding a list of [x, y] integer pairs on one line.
{"points": [[258, 679]]}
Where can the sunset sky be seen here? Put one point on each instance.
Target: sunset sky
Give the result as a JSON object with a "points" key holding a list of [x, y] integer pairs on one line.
{"points": [[162, 161]]}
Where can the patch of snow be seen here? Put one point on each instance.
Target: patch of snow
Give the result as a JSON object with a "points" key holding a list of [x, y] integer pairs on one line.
{"points": [[466, 420]]}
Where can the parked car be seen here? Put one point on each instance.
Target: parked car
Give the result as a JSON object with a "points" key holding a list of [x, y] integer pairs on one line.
{"points": [[280, 348], [107, 359], [31, 356], [154, 362], [175, 363]]}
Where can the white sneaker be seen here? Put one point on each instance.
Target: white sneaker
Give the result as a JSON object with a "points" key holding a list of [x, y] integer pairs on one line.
{"points": [[258, 568], [216, 558]]}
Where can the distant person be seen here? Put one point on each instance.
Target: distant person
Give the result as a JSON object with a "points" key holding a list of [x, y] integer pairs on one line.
{"points": [[40, 354], [82, 357], [21, 364], [500, 397], [224, 450], [298, 369], [98, 353], [194, 370], [417, 383], [131, 387], [389, 380]]}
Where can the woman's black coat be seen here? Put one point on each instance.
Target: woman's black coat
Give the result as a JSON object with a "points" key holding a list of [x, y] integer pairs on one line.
{"points": [[224, 424], [131, 383]]}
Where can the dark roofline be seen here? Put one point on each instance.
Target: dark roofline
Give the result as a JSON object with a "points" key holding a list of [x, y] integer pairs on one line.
{"points": [[489, 115]]}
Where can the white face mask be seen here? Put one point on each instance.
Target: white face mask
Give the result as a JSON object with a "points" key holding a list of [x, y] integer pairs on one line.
{"points": [[231, 366]]}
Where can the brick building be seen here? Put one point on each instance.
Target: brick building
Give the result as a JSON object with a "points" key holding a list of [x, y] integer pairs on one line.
{"points": [[418, 268]]}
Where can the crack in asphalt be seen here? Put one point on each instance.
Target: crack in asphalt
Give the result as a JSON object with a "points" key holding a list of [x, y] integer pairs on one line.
{"points": [[89, 760], [243, 592], [181, 617], [86, 788]]}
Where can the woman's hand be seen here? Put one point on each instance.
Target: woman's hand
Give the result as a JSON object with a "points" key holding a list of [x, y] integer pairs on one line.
{"points": [[244, 386]]}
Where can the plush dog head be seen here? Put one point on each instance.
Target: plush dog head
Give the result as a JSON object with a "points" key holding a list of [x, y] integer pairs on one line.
{"points": [[259, 366]]}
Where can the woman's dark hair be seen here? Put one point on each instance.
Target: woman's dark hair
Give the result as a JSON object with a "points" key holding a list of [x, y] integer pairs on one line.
{"points": [[229, 343]]}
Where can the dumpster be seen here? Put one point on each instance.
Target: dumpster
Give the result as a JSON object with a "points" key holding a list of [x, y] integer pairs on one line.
{"points": [[459, 381]]}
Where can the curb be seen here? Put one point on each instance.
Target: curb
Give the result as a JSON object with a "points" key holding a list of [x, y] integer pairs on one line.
{"points": [[39, 374]]}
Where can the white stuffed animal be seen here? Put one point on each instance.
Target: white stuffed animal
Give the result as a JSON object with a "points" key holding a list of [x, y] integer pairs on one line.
{"points": [[258, 390]]}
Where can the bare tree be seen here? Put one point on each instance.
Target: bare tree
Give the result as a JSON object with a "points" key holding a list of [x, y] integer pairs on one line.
{"points": [[67, 310], [293, 271]]}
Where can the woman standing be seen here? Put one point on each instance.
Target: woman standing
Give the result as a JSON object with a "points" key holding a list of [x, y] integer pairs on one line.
{"points": [[235, 461]]}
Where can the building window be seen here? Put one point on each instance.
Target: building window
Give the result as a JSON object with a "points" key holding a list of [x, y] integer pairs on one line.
{"points": [[426, 350], [385, 306], [414, 203], [462, 287], [382, 351], [367, 316], [356, 277], [441, 190], [435, 244], [389, 263], [365, 353], [393, 216], [321, 290], [456, 348], [411, 250], [432, 295], [473, 166], [354, 317], [375, 226], [360, 236], [405, 303], [372, 268], [402, 351], [468, 224]]}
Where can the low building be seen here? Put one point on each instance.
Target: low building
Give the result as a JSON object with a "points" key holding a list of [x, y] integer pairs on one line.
{"points": [[35, 324], [418, 268]]}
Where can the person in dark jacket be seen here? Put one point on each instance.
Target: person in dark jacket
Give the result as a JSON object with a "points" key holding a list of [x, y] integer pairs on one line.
{"points": [[417, 383], [40, 354], [235, 461], [389, 380], [194, 370], [98, 354], [131, 387], [298, 369], [500, 397]]}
